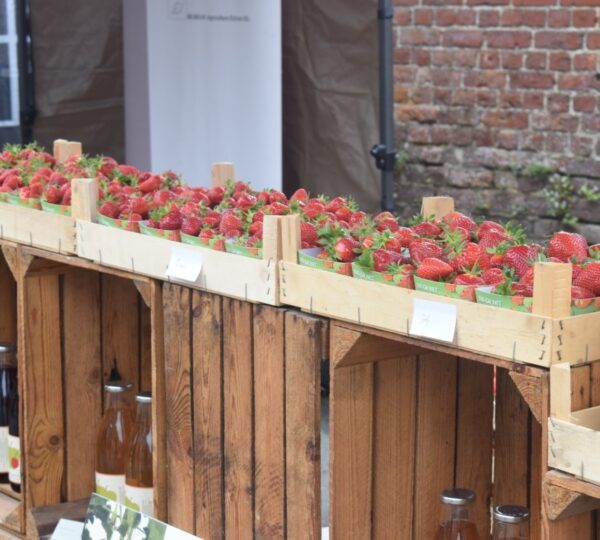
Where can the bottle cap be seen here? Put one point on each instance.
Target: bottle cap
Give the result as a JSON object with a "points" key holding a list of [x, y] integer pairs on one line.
{"points": [[509, 513], [144, 397], [457, 496], [117, 387], [7, 348]]}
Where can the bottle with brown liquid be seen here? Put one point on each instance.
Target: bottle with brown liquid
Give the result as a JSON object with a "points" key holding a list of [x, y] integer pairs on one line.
{"points": [[112, 444], [139, 486], [511, 523], [455, 523], [8, 385]]}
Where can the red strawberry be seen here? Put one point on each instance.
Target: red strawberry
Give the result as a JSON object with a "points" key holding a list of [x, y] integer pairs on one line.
{"points": [[276, 208], [405, 235], [216, 195], [153, 183], [300, 195], [589, 277], [245, 201], [472, 254], [343, 214], [492, 276], [434, 269], [138, 205], [383, 258], [492, 239], [170, 221], [458, 219], [277, 196], [313, 208], [468, 279], [578, 292], [35, 191], [567, 246], [520, 258], [422, 249], [109, 209], [230, 223], [427, 228], [344, 249], [357, 218], [53, 195], [489, 227], [256, 229], [191, 226], [335, 204], [308, 234]]}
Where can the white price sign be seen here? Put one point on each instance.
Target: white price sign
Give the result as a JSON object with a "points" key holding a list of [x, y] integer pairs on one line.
{"points": [[184, 264], [433, 320]]}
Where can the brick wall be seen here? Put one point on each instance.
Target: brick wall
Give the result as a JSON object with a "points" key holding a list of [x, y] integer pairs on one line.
{"points": [[485, 88]]}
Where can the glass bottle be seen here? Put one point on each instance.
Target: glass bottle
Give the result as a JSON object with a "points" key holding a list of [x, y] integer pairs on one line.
{"points": [[8, 382], [14, 441], [455, 523], [511, 523], [112, 444], [139, 490]]}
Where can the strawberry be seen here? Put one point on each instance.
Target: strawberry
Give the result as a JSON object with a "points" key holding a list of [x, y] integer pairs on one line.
{"points": [[472, 254], [589, 277], [109, 209], [276, 208], [191, 226], [520, 258], [153, 183], [383, 258], [345, 249], [468, 278], [300, 195], [245, 201], [230, 223], [434, 269], [53, 195], [171, 221], [216, 195], [422, 249], [256, 229], [487, 227], [405, 235], [492, 276], [580, 293], [458, 219], [138, 205], [308, 234], [313, 208], [335, 204], [491, 239], [277, 196], [427, 228], [567, 246]]}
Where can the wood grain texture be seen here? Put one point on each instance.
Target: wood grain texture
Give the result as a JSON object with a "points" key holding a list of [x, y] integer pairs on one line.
{"points": [[436, 438], [159, 412], [269, 419], [180, 444], [238, 413], [42, 392], [474, 437], [351, 452], [304, 336], [120, 329], [82, 378], [208, 412], [8, 301], [145, 346], [512, 443], [394, 448]]}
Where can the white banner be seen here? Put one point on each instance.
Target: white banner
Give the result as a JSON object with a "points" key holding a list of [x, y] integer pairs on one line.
{"points": [[214, 87]]}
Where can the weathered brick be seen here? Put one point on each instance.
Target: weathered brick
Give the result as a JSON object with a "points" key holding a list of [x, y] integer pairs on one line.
{"points": [[405, 74], [463, 177], [508, 139], [465, 58], [554, 122], [535, 2], [416, 113], [584, 104], [556, 142], [442, 96], [484, 137], [423, 17], [585, 62], [450, 17], [536, 60], [417, 133], [590, 3], [560, 61], [558, 103], [531, 80], [406, 2], [441, 134], [533, 100], [489, 79], [506, 119], [402, 56], [489, 2], [419, 36], [523, 17], [582, 146], [584, 18], [489, 17], [402, 17], [591, 123], [462, 116], [462, 38], [422, 95], [463, 97], [422, 57], [486, 98], [558, 40], [445, 77], [593, 40], [512, 60], [533, 141], [462, 136], [570, 81], [559, 18], [489, 59], [500, 39]]}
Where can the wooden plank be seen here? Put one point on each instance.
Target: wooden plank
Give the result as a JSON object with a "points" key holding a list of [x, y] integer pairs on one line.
{"points": [[511, 474], [529, 388], [120, 329], [179, 399], [84, 198], [46, 518], [436, 438], [351, 451], [145, 346], [290, 237], [82, 379], [238, 409], [394, 448], [474, 437], [516, 336], [269, 418], [221, 173], [37, 228], [41, 370], [552, 289], [304, 336], [245, 278], [575, 339], [64, 149], [437, 207], [536, 478], [159, 410], [8, 300], [208, 414]]}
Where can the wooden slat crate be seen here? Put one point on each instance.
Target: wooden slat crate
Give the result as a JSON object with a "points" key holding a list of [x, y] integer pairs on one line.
{"points": [[37, 228], [242, 386], [410, 418], [547, 336], [73, 324]]}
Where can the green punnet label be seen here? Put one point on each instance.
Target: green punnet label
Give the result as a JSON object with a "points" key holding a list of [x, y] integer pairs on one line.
{"points": [[3, 196], [124, 224], [218, 244], [60, 209], [583, 307], [36, 204], [308, 257], [174, 236], [516, 303], [398, 279], [450, 290], [245, 251]]}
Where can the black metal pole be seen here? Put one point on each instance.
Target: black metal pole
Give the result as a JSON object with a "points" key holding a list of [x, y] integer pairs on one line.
{"points": [[27, 90], [384, 152]]}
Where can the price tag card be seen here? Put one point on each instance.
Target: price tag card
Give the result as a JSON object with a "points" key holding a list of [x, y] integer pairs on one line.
{"points": [[433, 320], [184, 264]]}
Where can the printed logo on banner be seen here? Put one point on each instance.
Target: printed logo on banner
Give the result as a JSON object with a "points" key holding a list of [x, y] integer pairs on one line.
{"points": [[177, 9]]}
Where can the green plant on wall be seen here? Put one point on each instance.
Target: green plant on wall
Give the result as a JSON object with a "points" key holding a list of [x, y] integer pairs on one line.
{"points": [[561, 195]]}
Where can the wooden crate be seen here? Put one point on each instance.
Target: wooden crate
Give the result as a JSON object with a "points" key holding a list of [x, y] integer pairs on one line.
{"points": [[245, 278], [410, 418], [242, 386], [547, 336], [74, 323], [37, 228]]}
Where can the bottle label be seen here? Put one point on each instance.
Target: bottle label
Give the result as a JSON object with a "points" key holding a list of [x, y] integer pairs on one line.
{"points": [[14, 460], [3, 449], [111, 486], [140, 499]]}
